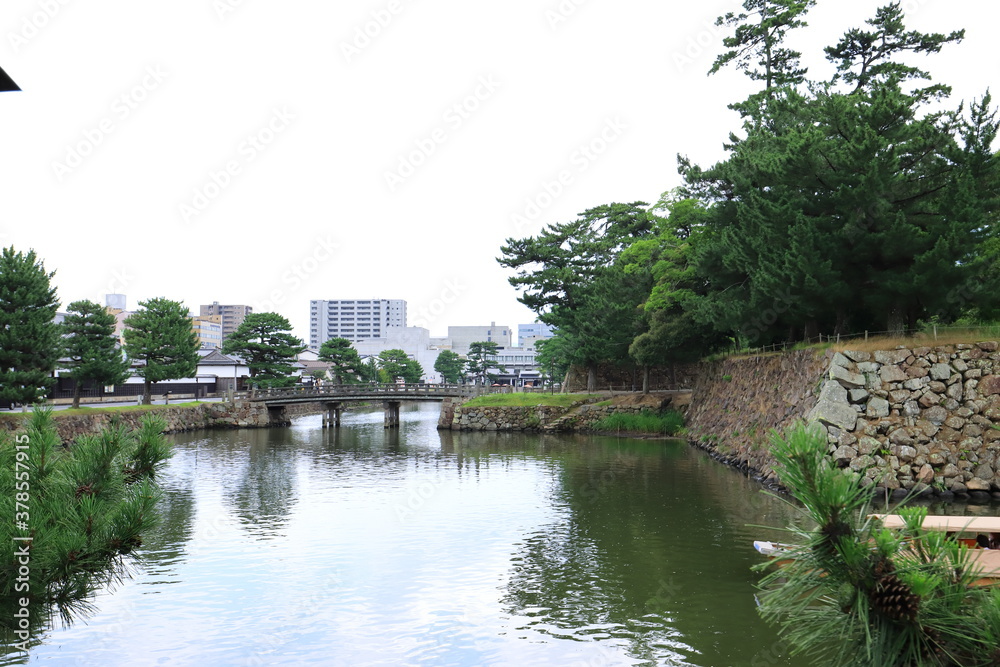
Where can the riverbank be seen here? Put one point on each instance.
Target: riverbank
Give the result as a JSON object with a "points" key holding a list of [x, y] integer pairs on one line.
{"points": [[571, 413], [179, 418]]}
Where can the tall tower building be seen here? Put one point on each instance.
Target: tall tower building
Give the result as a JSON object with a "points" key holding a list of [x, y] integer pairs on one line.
{"points": [[354, 319], [230, 316]]}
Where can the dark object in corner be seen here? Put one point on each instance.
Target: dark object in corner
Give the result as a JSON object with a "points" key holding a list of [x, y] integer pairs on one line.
{"points": [[7, 84]]}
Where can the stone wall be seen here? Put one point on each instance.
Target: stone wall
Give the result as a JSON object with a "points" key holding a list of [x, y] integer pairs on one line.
{"points": [[926, 418], [923, 419], [737, 402], [242, 414], [580, 416]]}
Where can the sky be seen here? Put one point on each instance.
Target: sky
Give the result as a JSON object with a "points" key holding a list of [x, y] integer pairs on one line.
{"points": [[270, 153]]}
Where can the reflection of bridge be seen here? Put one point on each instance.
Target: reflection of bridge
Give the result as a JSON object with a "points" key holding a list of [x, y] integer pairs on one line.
{"points": [[391, 395]]}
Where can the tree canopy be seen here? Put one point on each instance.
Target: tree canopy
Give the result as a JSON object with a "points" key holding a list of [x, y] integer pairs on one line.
{"points": [[29, 337], [451, 366], [160, 337], [264, 342], [345, 362], [91, 351], [865, 201]]}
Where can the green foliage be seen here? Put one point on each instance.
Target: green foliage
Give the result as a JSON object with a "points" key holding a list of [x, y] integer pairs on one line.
{"points": [[848, 204], [160, 336], [451, 366], [29, 339], [395, 364], [91, 350], [854, 593], [647, 421], [345, 362], [88, 505], [481, 359], [263, 341]]}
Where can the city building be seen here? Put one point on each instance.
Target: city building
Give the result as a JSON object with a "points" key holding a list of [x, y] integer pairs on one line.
{"points": [[353, 319], [229, 316], [209, 331], [529, 334], [460, 338], [414, 341], [520, 367]]}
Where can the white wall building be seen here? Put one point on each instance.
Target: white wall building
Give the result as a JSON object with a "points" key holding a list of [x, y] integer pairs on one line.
{"points": [[414, 341], [460, 338], [353, 319]]}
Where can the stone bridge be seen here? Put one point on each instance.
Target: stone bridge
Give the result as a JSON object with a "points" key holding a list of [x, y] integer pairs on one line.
{"points": [[333, 397]]}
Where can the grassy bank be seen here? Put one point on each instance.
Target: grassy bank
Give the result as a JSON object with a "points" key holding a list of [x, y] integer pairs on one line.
{"points": [[665, 423], [528, 400], [120, 408]]}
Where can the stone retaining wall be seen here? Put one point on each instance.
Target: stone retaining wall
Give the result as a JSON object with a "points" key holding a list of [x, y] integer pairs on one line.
{"points": [[242, 414], [924, 419], [578, 417]]}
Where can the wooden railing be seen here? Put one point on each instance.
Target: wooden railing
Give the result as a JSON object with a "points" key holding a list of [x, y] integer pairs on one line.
{"points": [[330, 391]]}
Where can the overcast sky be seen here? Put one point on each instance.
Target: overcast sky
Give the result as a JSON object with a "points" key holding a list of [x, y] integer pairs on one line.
{"points": [[268, 153]]}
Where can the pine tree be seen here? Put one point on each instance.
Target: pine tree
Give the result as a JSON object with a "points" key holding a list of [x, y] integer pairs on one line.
{"points": [[854, 593], [161, 338], [90, 347], [344, 360], [90, 505], [29, 337], [263, 341], [451, 366]]}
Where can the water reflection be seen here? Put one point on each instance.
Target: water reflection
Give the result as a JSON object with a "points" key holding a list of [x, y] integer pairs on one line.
{"points": [[365, 546]]}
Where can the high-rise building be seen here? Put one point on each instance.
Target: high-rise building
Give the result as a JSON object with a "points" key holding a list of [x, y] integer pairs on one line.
{"points": [[353, 319], [529, 334], [208, 330], [460, 338], [231, 316]]}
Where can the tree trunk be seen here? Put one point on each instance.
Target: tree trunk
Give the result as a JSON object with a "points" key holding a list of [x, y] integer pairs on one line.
{"points": [[76, 394], [645, 379], [896, 321], [591, 379], [147, 392]]}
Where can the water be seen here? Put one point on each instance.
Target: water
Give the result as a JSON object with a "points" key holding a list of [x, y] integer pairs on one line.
{"points": [[305, 546]]}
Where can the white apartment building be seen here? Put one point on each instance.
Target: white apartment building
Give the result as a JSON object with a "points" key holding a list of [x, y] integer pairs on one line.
{"points": [[353, 319], [460, 338]]}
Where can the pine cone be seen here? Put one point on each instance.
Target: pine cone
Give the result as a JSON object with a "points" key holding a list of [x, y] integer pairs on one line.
{"points": [[891, 597]]}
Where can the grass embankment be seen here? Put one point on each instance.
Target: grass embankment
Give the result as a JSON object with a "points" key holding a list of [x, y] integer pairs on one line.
{"points": [[528, 400], [664, 423], [119, 408]]}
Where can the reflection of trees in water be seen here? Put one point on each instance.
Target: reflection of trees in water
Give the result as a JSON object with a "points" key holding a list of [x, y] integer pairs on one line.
{"points": [[650, 546], [264, 494], [175, 513]]}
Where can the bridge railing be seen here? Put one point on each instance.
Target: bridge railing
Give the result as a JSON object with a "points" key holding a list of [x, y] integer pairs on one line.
{"points": [[332, 390]]}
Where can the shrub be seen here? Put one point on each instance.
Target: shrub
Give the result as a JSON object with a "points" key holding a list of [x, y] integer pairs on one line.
{"points": [[83, 507], [665, 423]]}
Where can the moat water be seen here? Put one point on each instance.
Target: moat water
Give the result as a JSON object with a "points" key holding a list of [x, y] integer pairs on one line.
{"points": [[306, 546]]}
